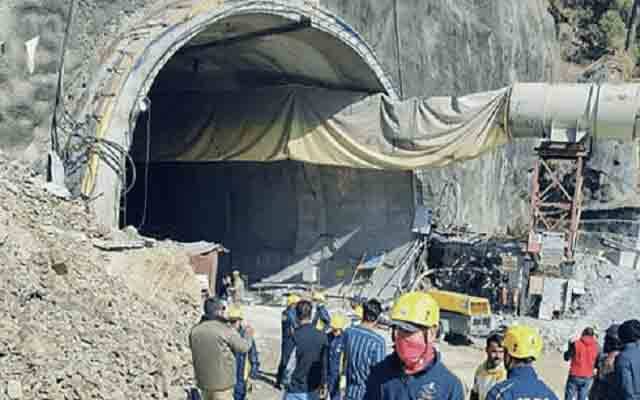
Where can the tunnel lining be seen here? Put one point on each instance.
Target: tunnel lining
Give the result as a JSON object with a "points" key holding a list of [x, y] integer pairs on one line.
{"points": [[142, 60]]}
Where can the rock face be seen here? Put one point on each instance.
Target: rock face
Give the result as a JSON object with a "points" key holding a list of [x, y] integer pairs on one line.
{"points": [[455, 47]]}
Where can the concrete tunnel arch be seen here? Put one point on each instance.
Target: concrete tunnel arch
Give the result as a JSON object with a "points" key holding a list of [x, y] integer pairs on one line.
{"points": [[136, 61]]}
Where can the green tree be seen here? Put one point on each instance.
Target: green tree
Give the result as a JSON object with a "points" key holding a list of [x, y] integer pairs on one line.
{"points": [[613, 27]]}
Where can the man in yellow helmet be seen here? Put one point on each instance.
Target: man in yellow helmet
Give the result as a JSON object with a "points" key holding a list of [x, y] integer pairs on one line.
{"points": [[356, 307], [415, 369], [335, 373], [289, 325], [321, 317], [523, 345], [247, 364]]}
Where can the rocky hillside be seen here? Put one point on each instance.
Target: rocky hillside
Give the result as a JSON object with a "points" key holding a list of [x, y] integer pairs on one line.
{"points": [[72, 326]]}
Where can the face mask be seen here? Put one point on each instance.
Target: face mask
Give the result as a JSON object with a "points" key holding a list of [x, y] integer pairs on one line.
{"points": [[412, 351]]}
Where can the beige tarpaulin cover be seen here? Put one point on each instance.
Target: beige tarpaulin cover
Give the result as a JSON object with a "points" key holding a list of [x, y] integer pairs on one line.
{"points": [[326, 127]]}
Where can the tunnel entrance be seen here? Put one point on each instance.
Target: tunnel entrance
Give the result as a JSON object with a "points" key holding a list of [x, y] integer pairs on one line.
{"points": [[274, 216]]}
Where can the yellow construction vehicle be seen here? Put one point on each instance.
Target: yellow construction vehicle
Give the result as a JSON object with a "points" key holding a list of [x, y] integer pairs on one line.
{"points": [[463, 315]]}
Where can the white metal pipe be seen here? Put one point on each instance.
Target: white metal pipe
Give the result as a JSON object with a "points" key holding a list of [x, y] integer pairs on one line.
{"points": [[567, 113]]}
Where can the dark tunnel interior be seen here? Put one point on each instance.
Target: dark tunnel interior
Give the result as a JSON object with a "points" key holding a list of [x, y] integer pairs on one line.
{"points": [[270, 215]]}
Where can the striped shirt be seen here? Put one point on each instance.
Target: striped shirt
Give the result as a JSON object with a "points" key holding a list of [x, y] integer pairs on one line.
{"points": [[363, 349]]}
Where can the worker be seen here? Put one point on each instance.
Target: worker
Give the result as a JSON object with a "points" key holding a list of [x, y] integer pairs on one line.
{"points": [[356, 307], [289, 325], [627, 365], [583, 353], [226, 288], [335, 375], [415, 369], [307, 379], [321, 317], [213, 344], [238, 287], [604, 385], [492, 370], [363, 349], [523, 345], [244, 370]]}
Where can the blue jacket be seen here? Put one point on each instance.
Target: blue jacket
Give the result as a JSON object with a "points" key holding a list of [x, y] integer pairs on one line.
{"points": [[336, 348], [289, 323], [241, 362], [628, 372], [388, 381], [322, 314], [522, 383]]}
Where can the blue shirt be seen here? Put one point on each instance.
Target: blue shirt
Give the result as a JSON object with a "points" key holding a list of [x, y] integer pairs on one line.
{"points": [[241, 360], [289, 323], [336, 348], [388, 381], [322, 314], [522, 383], [363, 349], [628, 372]]}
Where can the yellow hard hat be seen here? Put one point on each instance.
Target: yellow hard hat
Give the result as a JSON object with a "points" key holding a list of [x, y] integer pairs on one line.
{"points": [[338, 321], [234, 313], [318, 296], [292, 299], [236, 272], [522, 342], [415, 309]]}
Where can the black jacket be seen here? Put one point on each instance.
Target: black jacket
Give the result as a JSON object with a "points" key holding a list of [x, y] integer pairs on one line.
{"points": [[310, 372]]}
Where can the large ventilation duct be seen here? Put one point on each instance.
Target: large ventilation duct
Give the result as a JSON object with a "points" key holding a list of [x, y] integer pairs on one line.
{"points": [[568, 113]]}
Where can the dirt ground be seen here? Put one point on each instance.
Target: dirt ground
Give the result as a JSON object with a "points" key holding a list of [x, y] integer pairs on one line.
{"points": [[462, 360]]}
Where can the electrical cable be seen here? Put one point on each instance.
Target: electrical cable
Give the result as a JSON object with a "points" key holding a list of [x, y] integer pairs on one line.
{"points": [[109, 152], [59, 89], [146, 167]]}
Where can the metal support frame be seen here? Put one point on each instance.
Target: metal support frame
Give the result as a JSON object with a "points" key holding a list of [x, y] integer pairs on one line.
{"points": [[555, 205]]}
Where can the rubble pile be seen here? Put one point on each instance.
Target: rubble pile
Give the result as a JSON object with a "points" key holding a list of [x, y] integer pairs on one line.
{"points": [[70, 330], [611, 296], [601, 278]]}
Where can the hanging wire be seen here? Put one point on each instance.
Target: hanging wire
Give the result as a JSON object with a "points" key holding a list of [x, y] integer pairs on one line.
{"points": [[109, 152], [59, 101], [146, 166]]}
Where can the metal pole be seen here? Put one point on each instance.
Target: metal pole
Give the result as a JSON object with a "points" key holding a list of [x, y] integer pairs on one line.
{"points": [[576, 209], [533, 246]]}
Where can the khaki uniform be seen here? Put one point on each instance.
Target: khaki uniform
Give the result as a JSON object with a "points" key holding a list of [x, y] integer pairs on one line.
{"points": [[238, 289], [213, 344]]}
